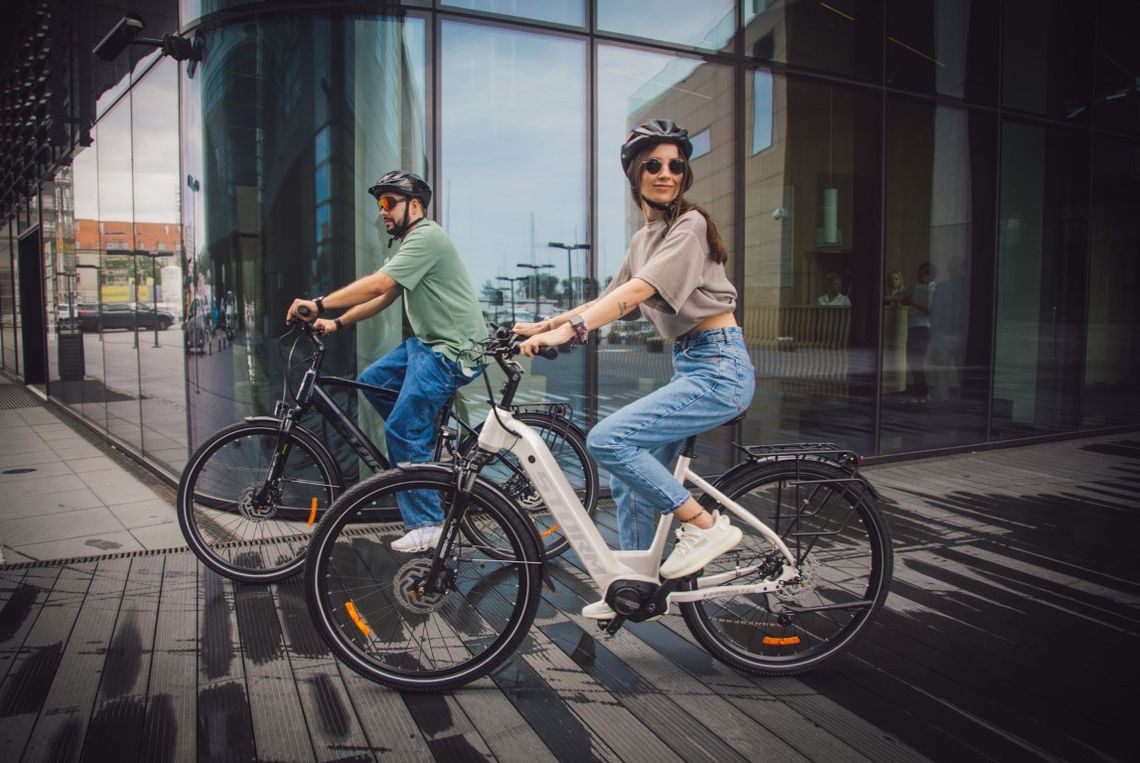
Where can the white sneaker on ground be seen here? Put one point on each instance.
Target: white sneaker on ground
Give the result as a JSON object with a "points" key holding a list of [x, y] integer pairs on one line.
{"points": [[696, 547], [419, 539]]}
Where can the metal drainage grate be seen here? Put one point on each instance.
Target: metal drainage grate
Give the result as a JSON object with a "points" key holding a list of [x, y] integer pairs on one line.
{"points": [[14, 396]]}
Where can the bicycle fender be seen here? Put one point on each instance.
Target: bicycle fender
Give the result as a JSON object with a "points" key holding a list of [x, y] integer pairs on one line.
{"points": [[434, 466]]}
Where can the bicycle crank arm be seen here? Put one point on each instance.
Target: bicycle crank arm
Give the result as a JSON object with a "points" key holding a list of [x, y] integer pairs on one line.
{"points": [[719, 591]]}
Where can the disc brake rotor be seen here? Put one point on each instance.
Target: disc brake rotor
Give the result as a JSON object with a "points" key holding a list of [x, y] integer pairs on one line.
{"points": [[258, 511], [799, 589], [407, 582]]}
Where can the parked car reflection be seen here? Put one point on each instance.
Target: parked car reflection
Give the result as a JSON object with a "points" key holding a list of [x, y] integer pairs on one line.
{"points": [[115, 315]]}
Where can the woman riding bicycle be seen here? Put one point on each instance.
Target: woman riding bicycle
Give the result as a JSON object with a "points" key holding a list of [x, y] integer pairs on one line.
{"points": [[674, 272]]}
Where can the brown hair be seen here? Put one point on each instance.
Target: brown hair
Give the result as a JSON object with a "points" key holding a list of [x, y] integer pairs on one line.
{"points": [[680, 205]]}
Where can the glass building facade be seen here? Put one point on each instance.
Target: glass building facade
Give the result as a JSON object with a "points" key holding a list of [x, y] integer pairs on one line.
{"points": [[932, 207]]}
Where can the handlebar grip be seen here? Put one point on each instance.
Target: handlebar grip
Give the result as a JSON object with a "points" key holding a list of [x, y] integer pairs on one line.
{"points": [[548, 352], [304, 312]]}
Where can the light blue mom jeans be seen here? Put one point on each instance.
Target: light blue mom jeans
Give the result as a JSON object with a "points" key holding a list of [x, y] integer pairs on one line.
{"points": [[713, 382]]}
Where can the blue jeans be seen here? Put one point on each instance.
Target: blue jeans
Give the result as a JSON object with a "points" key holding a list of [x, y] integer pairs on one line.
{"points": [[426, 380], [712, 383]]}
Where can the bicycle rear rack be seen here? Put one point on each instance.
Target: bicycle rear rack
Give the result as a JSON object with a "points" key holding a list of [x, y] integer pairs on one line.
{"points": [[825, 451]]}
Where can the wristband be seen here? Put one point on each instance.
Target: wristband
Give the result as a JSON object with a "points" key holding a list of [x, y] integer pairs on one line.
{"points": [[339, 325], [581, 332], [320, 302]]}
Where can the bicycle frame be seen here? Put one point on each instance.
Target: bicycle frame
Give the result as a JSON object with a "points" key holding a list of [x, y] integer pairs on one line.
{"points": [[501, 431]]}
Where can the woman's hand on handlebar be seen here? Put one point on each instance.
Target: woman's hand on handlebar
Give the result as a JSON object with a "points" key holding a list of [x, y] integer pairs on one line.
{"points": [[294, 314], [530, 329], [558, 336]]}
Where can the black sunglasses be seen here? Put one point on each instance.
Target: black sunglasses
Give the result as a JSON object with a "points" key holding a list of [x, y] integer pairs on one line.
{"points": [[653, 166]]}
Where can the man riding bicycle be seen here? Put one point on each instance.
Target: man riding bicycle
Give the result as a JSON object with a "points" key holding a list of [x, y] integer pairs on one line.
{"points": [[427, 368]]}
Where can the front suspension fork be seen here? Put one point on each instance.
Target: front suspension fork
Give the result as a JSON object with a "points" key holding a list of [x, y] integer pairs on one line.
{"points": [[465, 472]]}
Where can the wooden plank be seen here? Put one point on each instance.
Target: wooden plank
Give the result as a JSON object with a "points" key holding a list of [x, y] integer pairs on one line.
{"points": [[34, 668], [115, 729], [274, 703], [171, 717], [225, 728], [385, 719], [26, 591], [61, 728], [333, 726]]}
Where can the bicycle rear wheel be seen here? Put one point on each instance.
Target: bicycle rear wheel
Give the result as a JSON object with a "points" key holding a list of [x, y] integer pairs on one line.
{"points": [[237, 525], [831, 522], [568, 446], [366, 600]]}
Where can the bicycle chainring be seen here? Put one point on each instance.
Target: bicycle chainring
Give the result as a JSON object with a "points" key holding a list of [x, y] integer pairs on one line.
{"points": [[521, 489]]}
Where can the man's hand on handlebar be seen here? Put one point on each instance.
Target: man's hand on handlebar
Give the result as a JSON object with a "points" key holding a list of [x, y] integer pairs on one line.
{"points": [[308, 314], [324, 325], [558, 336]]}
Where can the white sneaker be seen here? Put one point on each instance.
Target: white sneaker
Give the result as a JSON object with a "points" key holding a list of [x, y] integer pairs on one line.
{"points": [[696, 547], [419, 539]]}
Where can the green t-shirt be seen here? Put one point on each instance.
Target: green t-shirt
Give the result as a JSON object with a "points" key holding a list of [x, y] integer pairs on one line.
{"points": [[440, 303]]}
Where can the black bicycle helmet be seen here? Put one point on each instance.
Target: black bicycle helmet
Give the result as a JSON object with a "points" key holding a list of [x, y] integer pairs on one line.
{"points": [[650, 134], [405, 183]]}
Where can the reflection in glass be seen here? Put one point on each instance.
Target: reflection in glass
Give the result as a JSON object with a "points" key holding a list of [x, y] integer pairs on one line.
{"points": [[840, 36], [513, 174], [159, 266], [569, 12], [1112, 377], [945, 48], [7, 297], [1046, 63], [287, 123], [709, 25], [1042, 261], [936, 327], [633, 87], [1117, 92], [811, 276]]}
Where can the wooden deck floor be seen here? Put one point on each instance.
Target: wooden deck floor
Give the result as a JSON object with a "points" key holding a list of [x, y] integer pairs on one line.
{"points": [[1011, 634]]}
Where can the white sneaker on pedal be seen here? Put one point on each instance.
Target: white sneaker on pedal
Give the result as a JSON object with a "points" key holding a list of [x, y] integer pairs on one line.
{"points": [[419, 539], [599, 610], [696, 547]]}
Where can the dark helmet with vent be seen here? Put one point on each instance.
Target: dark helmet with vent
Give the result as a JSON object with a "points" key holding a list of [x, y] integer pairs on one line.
{"points": [[404, 183]]}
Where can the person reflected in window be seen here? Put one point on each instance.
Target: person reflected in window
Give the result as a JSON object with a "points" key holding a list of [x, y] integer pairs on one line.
{"points": [[427, 368], [949, 307], [674, 273], [895, 284], [834, 296], [917, 298]]}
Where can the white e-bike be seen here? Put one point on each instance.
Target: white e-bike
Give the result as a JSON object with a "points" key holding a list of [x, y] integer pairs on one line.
{"points": [[809, 576]]}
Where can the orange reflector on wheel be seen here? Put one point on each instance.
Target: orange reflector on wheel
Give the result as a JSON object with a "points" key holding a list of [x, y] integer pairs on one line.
{"points": [[549, 532], [313, 511], [787, 641], [350, 608]]}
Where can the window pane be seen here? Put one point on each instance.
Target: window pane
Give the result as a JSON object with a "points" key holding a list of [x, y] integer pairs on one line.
{"points": [[1042, 260], [7, 297], [839, 36], [709, 25], [283, 111], [937, 326], [633, 87], [1112, 376], [570, 12], [114, 322], [945, 48], [159, 304], [1047, 57], [1118, 66], [513, 181], [811, 280]]}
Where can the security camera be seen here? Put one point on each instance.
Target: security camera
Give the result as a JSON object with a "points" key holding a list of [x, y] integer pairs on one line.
{"points": [[117, 40], [779, 213]]}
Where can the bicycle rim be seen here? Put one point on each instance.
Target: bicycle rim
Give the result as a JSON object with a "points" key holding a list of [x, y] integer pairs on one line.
{"points": [[233, 524], [843, 550], [364, 597], [569, 449]]}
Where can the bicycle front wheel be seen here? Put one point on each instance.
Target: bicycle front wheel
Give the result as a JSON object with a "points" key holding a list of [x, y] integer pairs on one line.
{"points": [[239, 525], [831, 522], [568, 446], [375, 610]]}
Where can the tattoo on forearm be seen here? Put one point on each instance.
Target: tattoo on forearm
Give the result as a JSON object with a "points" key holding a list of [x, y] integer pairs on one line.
{"points": [[623, 307]]}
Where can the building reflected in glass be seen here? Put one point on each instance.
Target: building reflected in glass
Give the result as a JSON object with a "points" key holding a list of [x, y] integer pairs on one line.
{"points": [[931, 208]]}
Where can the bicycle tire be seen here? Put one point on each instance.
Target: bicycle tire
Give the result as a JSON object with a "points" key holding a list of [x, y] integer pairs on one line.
{"points": [[844, 550], [362, 599], [215, 505], [568, 445]]}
